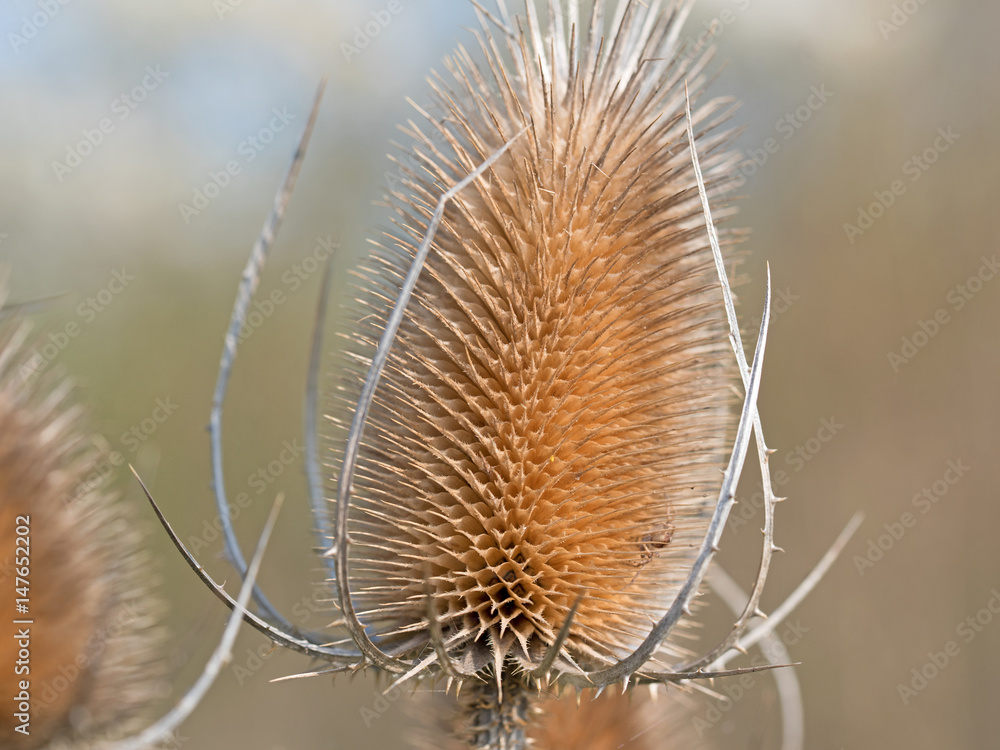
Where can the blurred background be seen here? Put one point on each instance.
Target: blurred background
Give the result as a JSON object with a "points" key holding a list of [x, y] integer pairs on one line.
{"points": [[872, 178]]}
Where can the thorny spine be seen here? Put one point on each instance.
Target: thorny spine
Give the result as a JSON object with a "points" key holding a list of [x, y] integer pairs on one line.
{"points": [[497, 719]]}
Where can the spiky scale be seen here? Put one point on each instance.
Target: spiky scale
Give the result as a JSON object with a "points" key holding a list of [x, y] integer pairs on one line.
{"points": [[553, 412]]}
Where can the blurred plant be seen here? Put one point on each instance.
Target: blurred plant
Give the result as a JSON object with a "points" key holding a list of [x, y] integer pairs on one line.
{"points": [[80, 634]]}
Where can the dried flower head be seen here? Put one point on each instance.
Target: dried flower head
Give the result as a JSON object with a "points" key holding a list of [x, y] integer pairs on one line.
{"points": [[554, 411], [90, 654], [529, 491]]}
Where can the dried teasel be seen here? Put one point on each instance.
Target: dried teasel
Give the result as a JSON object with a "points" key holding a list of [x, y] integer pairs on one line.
{"points": [[556, 404], [528, 496], [541, 457], [80, 634]]}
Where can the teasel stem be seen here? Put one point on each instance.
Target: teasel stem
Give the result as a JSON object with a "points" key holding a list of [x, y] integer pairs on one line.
{"points": [[498, 719]]}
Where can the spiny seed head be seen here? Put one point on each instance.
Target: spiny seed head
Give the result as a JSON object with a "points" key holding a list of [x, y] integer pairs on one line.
{"points": [[92, 649], [552, 420]]}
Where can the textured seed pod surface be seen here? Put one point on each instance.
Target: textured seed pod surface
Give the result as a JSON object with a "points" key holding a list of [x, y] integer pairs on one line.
{"points": [[551, 423]]}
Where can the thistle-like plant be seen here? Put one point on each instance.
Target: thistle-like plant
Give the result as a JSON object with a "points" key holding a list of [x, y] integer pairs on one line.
{"points": [[81, 630], [536, 409]]}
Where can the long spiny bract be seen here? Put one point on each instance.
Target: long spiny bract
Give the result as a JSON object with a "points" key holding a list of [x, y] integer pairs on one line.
{"points": [[552, 416]]}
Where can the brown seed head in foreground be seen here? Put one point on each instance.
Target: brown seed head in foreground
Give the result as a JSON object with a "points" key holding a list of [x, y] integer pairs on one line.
{"points": [[91, 649], [551, 424]]}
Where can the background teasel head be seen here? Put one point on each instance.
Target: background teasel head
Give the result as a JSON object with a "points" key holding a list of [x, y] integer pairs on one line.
{"points": [[555, 410], [95, 661]]}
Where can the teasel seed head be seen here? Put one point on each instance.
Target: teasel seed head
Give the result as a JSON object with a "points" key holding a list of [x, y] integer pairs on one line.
{"points": [[94, 623], [551, 424]]}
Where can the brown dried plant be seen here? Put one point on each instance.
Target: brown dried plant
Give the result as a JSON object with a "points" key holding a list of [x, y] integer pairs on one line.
{"points": [[539, 384], [87, 640]]}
